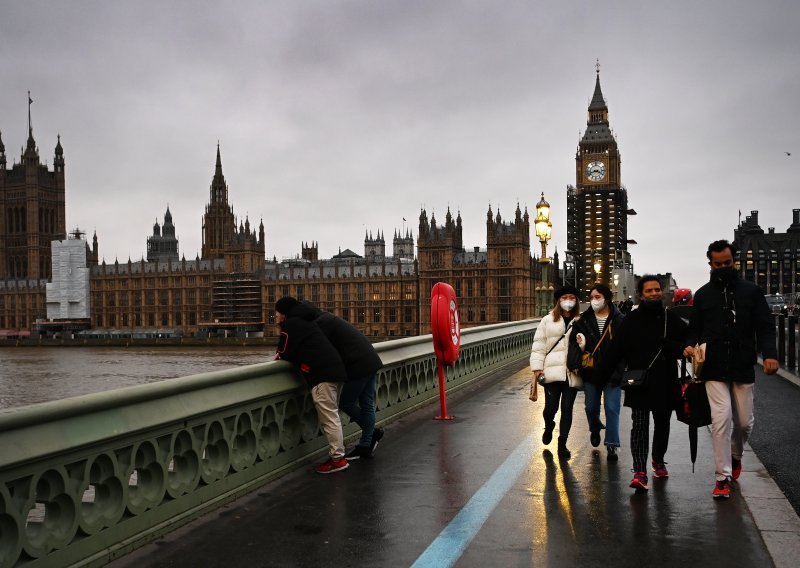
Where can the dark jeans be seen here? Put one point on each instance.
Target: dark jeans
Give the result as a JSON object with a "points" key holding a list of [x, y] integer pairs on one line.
{"points": [[640, 435], [555, 394], [358, 402]]}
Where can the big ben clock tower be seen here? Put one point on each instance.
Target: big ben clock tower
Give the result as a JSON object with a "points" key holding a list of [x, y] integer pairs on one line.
{"points": [[597, 206]]}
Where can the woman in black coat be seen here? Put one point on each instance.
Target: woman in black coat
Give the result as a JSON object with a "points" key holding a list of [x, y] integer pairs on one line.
{"points": [[642, 342], [592, 334]]}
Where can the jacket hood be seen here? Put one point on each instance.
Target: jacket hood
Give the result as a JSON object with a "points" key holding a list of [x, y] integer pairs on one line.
{"points": [[305, 311]]}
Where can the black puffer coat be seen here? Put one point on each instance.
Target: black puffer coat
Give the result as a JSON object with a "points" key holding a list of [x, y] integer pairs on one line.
{"points": [[639, 338], [731, 341], [303, 343], [359, 356], [587, 325]]}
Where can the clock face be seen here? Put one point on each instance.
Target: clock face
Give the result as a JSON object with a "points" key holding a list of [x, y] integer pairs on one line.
{"points": [[595, 171]]}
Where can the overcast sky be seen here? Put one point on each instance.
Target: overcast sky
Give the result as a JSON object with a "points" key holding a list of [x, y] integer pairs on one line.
{"points": [[339, 117]]}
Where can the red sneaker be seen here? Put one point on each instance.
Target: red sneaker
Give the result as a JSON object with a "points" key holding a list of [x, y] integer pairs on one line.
{"points": [[722, 489], [332, 465], [737, 468], [660, 469], [639, 481]]}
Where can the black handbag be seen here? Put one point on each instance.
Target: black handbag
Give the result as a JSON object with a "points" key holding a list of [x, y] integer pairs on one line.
{"points": [[635, 379]]}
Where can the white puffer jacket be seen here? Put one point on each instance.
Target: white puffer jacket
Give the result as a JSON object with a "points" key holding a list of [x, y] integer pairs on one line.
{"points": [[554, 364]]}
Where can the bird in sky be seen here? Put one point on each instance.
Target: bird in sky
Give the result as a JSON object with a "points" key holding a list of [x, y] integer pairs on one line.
{"points": [[788, 153]]}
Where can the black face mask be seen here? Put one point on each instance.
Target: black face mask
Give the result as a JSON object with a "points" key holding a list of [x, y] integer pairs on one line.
{"points": [[651, 304], [724, 275]]}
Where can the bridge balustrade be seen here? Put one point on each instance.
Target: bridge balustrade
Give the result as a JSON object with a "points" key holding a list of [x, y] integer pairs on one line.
{"points": [[87, 479]]}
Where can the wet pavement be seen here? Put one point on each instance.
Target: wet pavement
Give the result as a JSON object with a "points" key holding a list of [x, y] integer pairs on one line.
{"points": [[482, 490]]}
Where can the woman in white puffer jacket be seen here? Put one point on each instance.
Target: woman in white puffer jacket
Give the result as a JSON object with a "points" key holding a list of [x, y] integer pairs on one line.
{"points": [[549, 365]]}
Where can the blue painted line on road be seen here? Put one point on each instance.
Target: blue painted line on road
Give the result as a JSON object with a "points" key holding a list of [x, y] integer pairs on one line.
{"points": [[456, 536]]}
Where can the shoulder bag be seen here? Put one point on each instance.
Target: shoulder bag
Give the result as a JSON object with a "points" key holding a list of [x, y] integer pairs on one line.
{"points": [[635, 379], [588, 359]]}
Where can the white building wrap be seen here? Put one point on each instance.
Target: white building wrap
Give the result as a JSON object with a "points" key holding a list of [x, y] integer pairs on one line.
{"points": [[68, 293]]}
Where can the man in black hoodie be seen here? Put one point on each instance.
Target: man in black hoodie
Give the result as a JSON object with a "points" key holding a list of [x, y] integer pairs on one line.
{"points": [[303, 344], [362, 363], [731, 318]]}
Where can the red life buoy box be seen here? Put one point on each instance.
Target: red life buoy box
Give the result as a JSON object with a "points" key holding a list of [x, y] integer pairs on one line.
{"points": [[445, 323]]}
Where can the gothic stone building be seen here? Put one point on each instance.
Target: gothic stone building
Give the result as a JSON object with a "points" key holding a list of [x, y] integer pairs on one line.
{"points": [[32, 215], [771, 260], [231, 288], [597, 205]]}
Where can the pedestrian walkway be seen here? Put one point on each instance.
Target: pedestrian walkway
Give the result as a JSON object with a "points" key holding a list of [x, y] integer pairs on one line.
{"points": [[482, 490]]}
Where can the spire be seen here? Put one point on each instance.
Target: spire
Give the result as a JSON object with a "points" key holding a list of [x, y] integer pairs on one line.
{"points": [[219, 189], [30, 124], [31, 144], [597, 127], [2, 146], [598, 102], [59, 149]]}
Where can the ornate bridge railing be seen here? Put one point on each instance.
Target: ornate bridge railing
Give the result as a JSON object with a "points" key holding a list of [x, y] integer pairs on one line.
{"points": [[87, 479]]}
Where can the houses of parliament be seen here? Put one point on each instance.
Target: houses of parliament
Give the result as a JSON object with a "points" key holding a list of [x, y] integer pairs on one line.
{"points": [[231, 288]]}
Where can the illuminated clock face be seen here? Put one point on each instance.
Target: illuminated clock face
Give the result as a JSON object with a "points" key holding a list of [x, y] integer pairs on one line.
{"points": [[595, 171]]}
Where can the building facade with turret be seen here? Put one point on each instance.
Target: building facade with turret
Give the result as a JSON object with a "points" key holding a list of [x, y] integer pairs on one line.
{"points": [[770, 259], [32, 215]]}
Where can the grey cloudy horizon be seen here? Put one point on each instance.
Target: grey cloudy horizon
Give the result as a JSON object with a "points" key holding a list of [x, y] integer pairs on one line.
{"points": [[339, 118]]}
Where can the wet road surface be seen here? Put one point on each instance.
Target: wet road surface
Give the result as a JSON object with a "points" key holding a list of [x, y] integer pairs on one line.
{"points": [[499, 495]]}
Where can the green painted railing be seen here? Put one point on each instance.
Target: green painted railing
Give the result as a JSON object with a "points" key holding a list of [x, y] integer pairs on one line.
{"points": [[87, 479]]}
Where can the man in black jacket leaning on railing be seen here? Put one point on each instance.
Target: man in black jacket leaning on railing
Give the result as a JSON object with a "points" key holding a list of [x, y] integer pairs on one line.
{"points": [[362, 363], [728, 317]]}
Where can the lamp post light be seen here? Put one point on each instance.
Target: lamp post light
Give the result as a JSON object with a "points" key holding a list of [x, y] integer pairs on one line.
{"points": [[544, 229], [597, 268]]}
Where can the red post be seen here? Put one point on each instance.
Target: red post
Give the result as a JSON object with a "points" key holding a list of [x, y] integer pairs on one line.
{"points": [[442, 395]]}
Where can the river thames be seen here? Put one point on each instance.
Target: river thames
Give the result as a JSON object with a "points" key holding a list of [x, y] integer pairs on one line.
{"points": [[37, 374]]}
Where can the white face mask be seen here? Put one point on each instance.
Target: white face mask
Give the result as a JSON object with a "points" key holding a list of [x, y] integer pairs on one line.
{"points": [[567, 305], [598, 305]]}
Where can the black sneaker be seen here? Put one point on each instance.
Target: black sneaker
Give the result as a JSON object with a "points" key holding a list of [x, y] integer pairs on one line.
{"points": [[594, 438], [563, 452], [547, 435], [612, 454], [377, 435], [357, 453]]}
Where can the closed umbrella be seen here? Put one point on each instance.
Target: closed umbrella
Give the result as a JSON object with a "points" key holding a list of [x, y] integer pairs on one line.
{"points": [[693, 409]]}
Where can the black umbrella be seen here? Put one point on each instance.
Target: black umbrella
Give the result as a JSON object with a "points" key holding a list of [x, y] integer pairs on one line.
{"points": [[693, 409]]}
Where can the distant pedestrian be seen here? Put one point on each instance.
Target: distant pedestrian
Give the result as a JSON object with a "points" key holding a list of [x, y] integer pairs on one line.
{"points": [[303, 344], [591, 336], [362, 363], [731, 318], [549, 366], [650, 337]]}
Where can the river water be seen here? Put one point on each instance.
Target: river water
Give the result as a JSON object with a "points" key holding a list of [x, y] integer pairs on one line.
{"points": [[37, 374]]}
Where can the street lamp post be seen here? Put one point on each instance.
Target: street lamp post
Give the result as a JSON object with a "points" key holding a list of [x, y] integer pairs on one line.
{"points": [[544, 229]]}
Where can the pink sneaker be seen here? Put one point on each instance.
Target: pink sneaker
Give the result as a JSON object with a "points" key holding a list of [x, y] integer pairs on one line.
{"points": [[660, 469], [332, 465], [639, 481]]}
